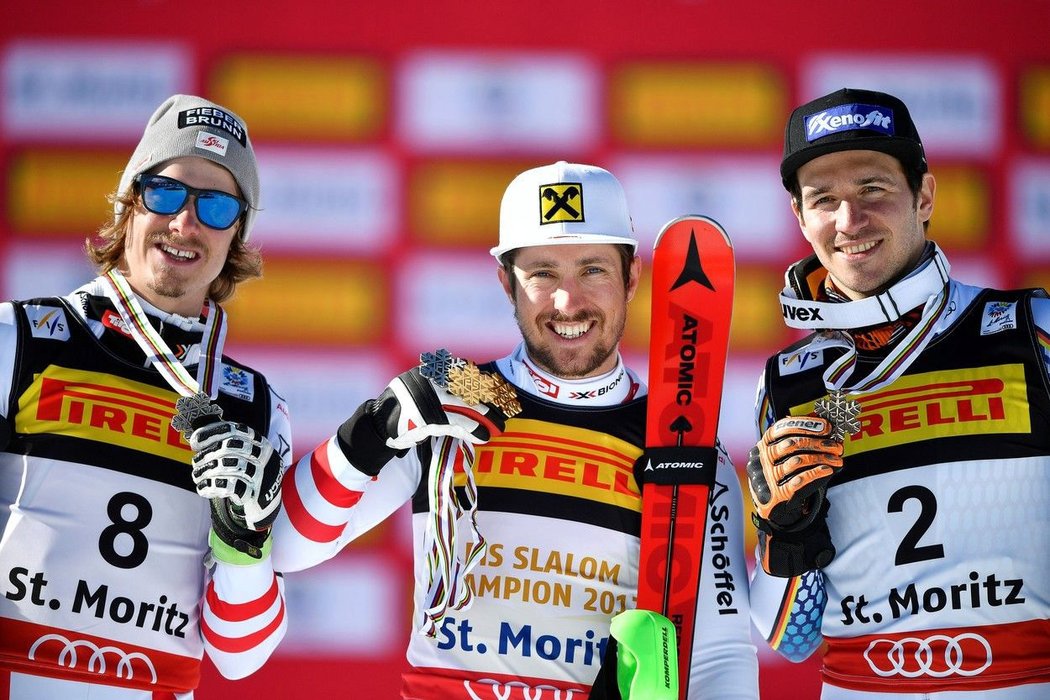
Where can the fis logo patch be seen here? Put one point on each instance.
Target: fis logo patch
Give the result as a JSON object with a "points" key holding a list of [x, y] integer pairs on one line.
{"points": [[48, 322], [237, 382], [800, 361], [999, 316], [561, 202]]}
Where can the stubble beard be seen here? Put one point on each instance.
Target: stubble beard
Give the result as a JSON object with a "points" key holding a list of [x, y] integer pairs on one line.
{"points": [[168, 290], [166, 281], [579, 365]]}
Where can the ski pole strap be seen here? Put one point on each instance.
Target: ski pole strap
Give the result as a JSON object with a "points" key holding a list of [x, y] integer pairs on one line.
{"points": [[646, 655]]}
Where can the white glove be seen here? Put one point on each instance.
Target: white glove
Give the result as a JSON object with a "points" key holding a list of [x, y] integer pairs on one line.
{"points": [[234, 464]]}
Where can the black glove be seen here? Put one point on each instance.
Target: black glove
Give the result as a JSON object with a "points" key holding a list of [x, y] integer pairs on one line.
{"points": [[785, 554], [412, 410], [241, 473]]}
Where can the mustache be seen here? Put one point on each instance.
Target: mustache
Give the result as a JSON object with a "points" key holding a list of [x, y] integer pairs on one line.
{"points": [[158, 237], [578, 317]]}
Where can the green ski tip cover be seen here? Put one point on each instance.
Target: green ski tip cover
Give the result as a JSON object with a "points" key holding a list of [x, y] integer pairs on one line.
{"points": [[646, 655]]}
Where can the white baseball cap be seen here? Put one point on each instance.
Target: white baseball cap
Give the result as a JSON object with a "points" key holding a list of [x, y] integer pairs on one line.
{"points": [[563, 203]]}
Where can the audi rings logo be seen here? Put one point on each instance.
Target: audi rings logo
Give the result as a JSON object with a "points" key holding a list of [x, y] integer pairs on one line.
{"points": [[96, 662], [505, 691], [937, 656]]}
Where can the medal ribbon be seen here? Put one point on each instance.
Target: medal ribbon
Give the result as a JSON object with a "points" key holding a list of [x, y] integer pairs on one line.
{"points": [[447, 586], [451, 553], [894, 364], [119, 292]]}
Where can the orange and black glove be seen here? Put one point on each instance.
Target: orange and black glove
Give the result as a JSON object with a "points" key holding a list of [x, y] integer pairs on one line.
{"points": [[788, 473]]}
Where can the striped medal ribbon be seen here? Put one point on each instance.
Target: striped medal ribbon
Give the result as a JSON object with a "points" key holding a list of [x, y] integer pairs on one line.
{"points": [[451, 540], [838, 407], [196, 393]]}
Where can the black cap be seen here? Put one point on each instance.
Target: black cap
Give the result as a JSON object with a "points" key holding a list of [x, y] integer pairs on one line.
{"points": [[849, 120]]}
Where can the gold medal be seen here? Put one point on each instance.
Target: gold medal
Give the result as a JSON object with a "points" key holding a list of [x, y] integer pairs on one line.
{"points": [[463, 379]]}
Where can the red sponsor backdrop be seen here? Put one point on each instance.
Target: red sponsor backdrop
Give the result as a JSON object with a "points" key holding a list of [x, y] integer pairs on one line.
{"points": [[694, 86]]}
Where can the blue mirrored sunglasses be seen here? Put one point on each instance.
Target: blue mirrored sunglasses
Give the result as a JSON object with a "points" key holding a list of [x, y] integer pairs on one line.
{"points": [[167, 196]]}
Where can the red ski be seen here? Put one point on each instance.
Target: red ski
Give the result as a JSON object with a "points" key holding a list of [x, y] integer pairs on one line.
{"points": [[692, 301]]}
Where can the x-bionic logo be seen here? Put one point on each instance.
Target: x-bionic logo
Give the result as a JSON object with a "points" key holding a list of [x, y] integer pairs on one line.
{"points": [[97, 661], [936, 656]]}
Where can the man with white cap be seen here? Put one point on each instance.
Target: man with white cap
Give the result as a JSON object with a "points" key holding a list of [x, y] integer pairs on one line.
{"points": [[901, 482], [525, 501], [118, 413]]}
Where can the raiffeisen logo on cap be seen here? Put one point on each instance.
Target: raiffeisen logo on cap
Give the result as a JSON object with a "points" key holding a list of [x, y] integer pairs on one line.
{"points": [[847, 118], [562, 201]]}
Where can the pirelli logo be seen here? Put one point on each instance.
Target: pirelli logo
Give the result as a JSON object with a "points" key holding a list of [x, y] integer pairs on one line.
{"points": [[103, 408], [534, 455], [979, 401]]}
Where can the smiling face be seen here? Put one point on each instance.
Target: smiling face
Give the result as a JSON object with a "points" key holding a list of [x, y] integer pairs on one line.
{"points": [[171, 261], [862, 219], [570, 302]]}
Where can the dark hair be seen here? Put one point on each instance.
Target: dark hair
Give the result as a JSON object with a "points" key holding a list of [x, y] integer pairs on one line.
{"points": [[106, 248], [626, 258]]}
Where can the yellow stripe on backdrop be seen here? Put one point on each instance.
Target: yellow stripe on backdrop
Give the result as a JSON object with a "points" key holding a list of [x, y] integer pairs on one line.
{"points": [[303, 97], [326, 302], [62, 192], [457, 203], [1035, 105], [960, 217], [697, 104]]}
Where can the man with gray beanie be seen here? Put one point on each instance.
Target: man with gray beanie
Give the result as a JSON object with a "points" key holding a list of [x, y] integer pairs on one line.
{"points": [[140, 468], [901, 481]]}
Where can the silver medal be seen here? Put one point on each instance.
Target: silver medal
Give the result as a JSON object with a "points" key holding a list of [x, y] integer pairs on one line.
{"points": [[842, 412], [191, 408]]}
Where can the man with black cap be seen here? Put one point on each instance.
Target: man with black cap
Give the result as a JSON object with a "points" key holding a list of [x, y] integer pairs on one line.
{"points": [[118, 413], [901, 483], [521, 478]]}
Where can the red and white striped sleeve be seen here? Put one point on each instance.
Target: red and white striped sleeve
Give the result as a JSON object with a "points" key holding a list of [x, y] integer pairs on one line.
{"points": [[328, 502], [243, 617]]}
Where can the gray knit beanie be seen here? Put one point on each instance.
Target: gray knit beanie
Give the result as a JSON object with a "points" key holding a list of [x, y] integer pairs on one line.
{"points": [[186, 125]]}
